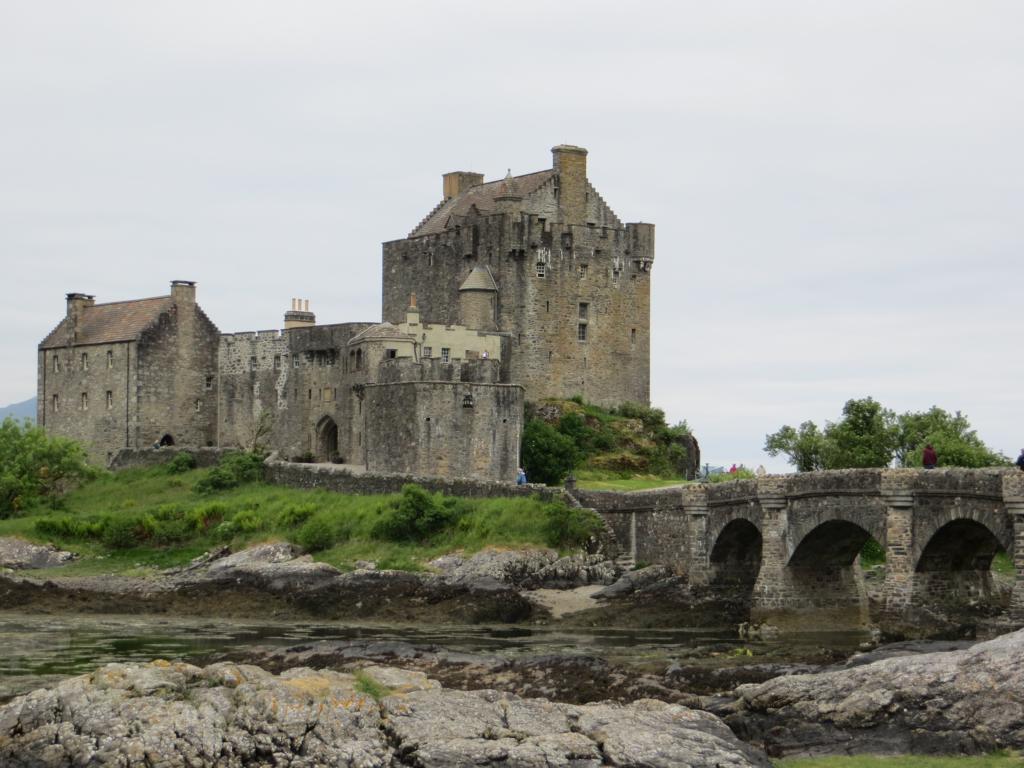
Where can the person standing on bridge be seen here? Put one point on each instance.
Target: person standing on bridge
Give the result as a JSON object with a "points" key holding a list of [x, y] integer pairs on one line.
{"points": [[1020, 460], [929, 458]]}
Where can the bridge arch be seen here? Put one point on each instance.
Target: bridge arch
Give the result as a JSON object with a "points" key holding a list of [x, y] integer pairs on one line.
{"points": [[735, 555], [831, 544]]}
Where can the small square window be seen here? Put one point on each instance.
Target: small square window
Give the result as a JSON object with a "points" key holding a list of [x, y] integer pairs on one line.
{"points": [[446, 354], [209, 382], [277, 362], [581, 332], [295, 362], [427, 352], [583, 270], [390, 354], [541, 269], [584, 311]]}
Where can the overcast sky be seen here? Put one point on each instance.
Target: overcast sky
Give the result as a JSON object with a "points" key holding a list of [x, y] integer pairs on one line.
{"points": [[838, 187]]}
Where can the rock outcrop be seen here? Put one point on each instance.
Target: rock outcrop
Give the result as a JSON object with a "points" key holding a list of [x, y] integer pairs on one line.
{"points": [[961, 701], [19, 554], [172, 714]]}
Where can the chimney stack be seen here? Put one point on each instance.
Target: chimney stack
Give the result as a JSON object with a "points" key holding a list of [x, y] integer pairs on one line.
{"points": [[412, 314], [570, 163], [183, 292], [299, 315], [457, 182]]}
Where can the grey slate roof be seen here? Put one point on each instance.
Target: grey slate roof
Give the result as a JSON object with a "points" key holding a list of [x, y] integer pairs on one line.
{"points": [[380, 331], [479, 279]]}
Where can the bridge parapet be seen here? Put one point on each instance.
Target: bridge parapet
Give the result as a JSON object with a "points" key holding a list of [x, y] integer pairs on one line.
{"points": [[1013, 497]]}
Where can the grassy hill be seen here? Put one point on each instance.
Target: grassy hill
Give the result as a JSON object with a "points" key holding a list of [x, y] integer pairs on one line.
{"points": [[23, 410], [625, 448]]}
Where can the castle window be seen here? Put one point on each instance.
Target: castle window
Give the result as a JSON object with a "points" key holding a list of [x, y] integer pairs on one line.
{"points": [[541, 269], [359, 359], [446, 354], [311, 394], [467, 401], [110, 359], [199, 405], [56, 403], [295, 361], [632, 336], [110, 400], [85, 361], [85, 401], [581, 332], [209, 382], [567, 240], [427, 352], [547, 306], [56, 364], [277, 362], [390, 354], [583, 270], [252, 363], [584, 311], [328, 394]]}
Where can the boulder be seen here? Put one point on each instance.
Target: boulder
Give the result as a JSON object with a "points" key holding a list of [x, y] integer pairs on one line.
{"points": [[964, 701], [19, 554], [174, 714]]}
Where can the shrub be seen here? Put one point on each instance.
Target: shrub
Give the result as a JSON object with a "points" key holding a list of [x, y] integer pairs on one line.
{"points": [[172, 530], [69, 528], [226, 530], [249, 521], [295, 515], [416, 515], [126, 531], [233, 470], [183, 462], [316, 535], [35, 466], [207, 516], [569, 527], [547, 454]]}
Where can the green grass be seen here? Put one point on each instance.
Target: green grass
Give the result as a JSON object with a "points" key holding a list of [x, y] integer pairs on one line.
{"points": [[605, 481], [253, 513], [369, 686], [997, 760]]}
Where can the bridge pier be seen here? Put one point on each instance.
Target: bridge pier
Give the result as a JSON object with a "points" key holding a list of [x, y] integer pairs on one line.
{"points": [[695, 508], [898, 588], [1013, 497], [770, 589]]}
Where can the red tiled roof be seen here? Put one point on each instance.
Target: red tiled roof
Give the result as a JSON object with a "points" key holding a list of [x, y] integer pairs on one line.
{"points": [[482, 196], [106, 323]]}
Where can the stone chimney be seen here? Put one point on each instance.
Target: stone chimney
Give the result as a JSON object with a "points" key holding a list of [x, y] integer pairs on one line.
{"points": [[457, 182], [299, 315], [412, 314], [508, 199], [76, 303], [570, 163], [183, 292]]}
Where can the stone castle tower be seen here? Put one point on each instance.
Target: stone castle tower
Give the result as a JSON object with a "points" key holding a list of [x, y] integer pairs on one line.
{"points": [[544, 260]]}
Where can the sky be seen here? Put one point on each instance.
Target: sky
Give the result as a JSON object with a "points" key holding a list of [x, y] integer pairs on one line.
{"points": [[838, 188]]}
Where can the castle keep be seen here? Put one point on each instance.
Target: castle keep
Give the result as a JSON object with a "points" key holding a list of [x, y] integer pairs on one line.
{"points": [[512, 290]]}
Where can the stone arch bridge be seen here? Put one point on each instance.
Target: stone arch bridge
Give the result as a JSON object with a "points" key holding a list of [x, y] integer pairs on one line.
{"points": [[790, 543]]}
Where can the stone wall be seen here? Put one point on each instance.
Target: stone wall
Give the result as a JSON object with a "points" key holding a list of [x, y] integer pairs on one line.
{"points": [[176, 361], [341, 480], [135, 458], [448, 429]]}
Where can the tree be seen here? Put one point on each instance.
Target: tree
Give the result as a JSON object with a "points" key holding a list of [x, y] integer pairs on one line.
{"points": [[547, 454], [864, 437], [869, 435], [956, 444], [35, 466], [804, 446]]}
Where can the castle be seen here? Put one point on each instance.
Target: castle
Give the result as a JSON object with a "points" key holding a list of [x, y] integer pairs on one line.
{"points": [[520, 289]]}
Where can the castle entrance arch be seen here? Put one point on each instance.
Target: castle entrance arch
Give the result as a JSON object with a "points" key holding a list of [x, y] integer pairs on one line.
{"points": [[326, 439], [166, 440]]}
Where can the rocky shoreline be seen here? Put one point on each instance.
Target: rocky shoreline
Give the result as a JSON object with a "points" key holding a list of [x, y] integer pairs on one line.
{"points": [[297, 708]]}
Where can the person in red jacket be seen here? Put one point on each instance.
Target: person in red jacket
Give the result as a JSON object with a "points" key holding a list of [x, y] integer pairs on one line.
{"points": [[929, 458]]}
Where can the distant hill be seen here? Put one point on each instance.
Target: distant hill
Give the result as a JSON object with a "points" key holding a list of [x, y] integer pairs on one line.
{"points": [[19, 411]]}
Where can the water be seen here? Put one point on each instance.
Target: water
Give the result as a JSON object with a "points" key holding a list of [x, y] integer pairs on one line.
{"points": [[40, 650]]}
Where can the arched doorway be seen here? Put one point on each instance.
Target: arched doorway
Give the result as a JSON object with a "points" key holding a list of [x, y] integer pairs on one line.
{"points": [[166, 440], [326, 439]]}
